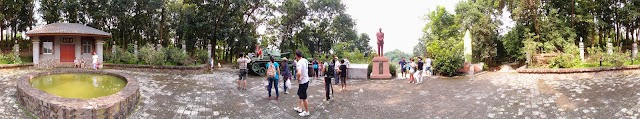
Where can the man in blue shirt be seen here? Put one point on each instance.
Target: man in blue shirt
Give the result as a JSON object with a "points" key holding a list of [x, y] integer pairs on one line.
{"points": [[403, 70]]}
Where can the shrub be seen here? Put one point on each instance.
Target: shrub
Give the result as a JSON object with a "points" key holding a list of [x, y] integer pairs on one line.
{"points": [[146, 54], [564, 60], [159, 58], [115, 56], [129, 58], [202, 56], [617, 58], [175, 55], [10, 59], [447, 56]]}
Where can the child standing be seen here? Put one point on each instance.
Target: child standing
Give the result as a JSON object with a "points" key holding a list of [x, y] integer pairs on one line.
{"points": [[343, 75]]}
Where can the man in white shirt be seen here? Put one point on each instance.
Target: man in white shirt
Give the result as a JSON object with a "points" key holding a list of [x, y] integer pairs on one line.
{"points": [[242, 65], [303, 78], [95, 61], [336, 67], [427, 66]]}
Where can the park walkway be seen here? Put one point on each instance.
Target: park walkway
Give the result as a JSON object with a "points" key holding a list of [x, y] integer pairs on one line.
{"points": [[488, 95]]}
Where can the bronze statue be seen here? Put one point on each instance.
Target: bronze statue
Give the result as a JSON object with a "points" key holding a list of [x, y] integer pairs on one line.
{"points": [[380, 42]]}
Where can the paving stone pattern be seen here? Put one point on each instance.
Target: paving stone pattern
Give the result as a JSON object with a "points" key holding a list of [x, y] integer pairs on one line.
{"points": [[488, 95]]}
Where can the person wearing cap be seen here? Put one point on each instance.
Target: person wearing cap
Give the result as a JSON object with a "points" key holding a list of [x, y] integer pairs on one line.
{"points": [[337, 64], [286, 73]]}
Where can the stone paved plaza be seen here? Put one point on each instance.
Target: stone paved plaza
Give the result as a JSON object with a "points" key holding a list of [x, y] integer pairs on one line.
{"points": [[486, 95]]}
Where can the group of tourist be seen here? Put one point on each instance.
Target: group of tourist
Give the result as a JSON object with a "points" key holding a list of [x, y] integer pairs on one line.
{"points": [[79, 63], [415, 68], [334, 68]]}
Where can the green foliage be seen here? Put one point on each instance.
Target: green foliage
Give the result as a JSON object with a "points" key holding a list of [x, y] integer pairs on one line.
{"points": [[146, 54], [447, 56], [617, 58], [396, 55], [513, 42], [444, 42], [159, 58], [564, 60], [202, 56], [10, 59], [115, 56], [175, 55], [129, 58], [480, 19]]}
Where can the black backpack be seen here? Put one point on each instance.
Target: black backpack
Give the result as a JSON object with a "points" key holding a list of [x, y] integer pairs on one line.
{"points": [[329, 71]]}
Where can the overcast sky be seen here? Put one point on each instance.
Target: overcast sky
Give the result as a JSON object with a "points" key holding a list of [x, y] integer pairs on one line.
{"points": [[402, 21]]}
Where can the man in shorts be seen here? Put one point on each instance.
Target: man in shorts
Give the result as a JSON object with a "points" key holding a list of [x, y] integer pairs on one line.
{"points": [[242, 65], [402, 67], [303, 80]]}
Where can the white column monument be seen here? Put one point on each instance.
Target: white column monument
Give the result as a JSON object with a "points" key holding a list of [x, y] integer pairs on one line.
{"points": [[468, 52], [16, 49], [184, 47], [113, 47], [135, 48], [609, 46], [581, 47], [36, 50], [209, 50], [634, 50]]}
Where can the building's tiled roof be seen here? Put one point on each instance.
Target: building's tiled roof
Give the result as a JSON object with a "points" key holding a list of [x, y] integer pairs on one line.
{"points": [[67, 28]]}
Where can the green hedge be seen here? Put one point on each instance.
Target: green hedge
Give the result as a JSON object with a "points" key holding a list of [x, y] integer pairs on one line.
{"points": [[392, 69]]}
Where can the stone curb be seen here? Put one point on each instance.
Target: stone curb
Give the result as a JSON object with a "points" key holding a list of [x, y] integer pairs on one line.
{"points": [[49, 106], [523, 69], [110, 65], [6, 66]]}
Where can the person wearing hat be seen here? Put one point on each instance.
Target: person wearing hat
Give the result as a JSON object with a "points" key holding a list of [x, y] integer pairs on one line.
{"points": [[286, 73], [336, 67]]}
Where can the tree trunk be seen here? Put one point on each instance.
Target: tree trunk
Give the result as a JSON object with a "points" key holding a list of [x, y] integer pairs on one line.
{"points": [[572, 14], [161, 24], [226, 4]]}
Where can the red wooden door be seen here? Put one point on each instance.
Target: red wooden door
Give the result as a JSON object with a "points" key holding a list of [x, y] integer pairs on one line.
{"points": [[67, 52]]}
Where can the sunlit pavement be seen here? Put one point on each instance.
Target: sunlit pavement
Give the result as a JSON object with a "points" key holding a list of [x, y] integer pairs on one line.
{"points": [[487, 95]]}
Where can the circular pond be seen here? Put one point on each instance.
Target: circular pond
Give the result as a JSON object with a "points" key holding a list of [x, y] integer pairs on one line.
{"points": [[72, 93], [81, 85]]}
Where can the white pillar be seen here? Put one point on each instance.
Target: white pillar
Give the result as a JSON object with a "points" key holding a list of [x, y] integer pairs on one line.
{"points": [[113, 47], [184, 47], [99, 45], [581, 47], [35, 40], [634, 51], [16, 49], [209, 50], [609, 46], [135, 48], [158, 47]]}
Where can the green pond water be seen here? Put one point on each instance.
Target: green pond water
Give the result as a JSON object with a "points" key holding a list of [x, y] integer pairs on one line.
{"points": [[82, 86]]}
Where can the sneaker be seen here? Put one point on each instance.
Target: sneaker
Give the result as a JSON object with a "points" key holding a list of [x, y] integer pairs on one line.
{"points": [[326, 100], [269, 98], [277, 98], [286, 92], [302, 114], [297, 109]]}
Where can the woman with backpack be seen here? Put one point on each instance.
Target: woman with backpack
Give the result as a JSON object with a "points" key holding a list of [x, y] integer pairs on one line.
{"points": [[273, 71], [315, 67], [412, 70]]}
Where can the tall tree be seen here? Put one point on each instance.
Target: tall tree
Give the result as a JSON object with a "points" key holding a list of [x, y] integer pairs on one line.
{"points": [[50, 10]]}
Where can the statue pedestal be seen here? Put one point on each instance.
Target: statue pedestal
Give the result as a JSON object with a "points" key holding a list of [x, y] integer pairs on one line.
{"points": [[380, 69]]}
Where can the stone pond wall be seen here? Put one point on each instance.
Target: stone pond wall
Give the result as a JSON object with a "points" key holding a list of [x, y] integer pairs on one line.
{"points": [[48, 106]]}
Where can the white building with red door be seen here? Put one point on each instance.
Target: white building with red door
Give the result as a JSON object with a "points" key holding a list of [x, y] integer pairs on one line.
{"points": [[62, 43]]}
